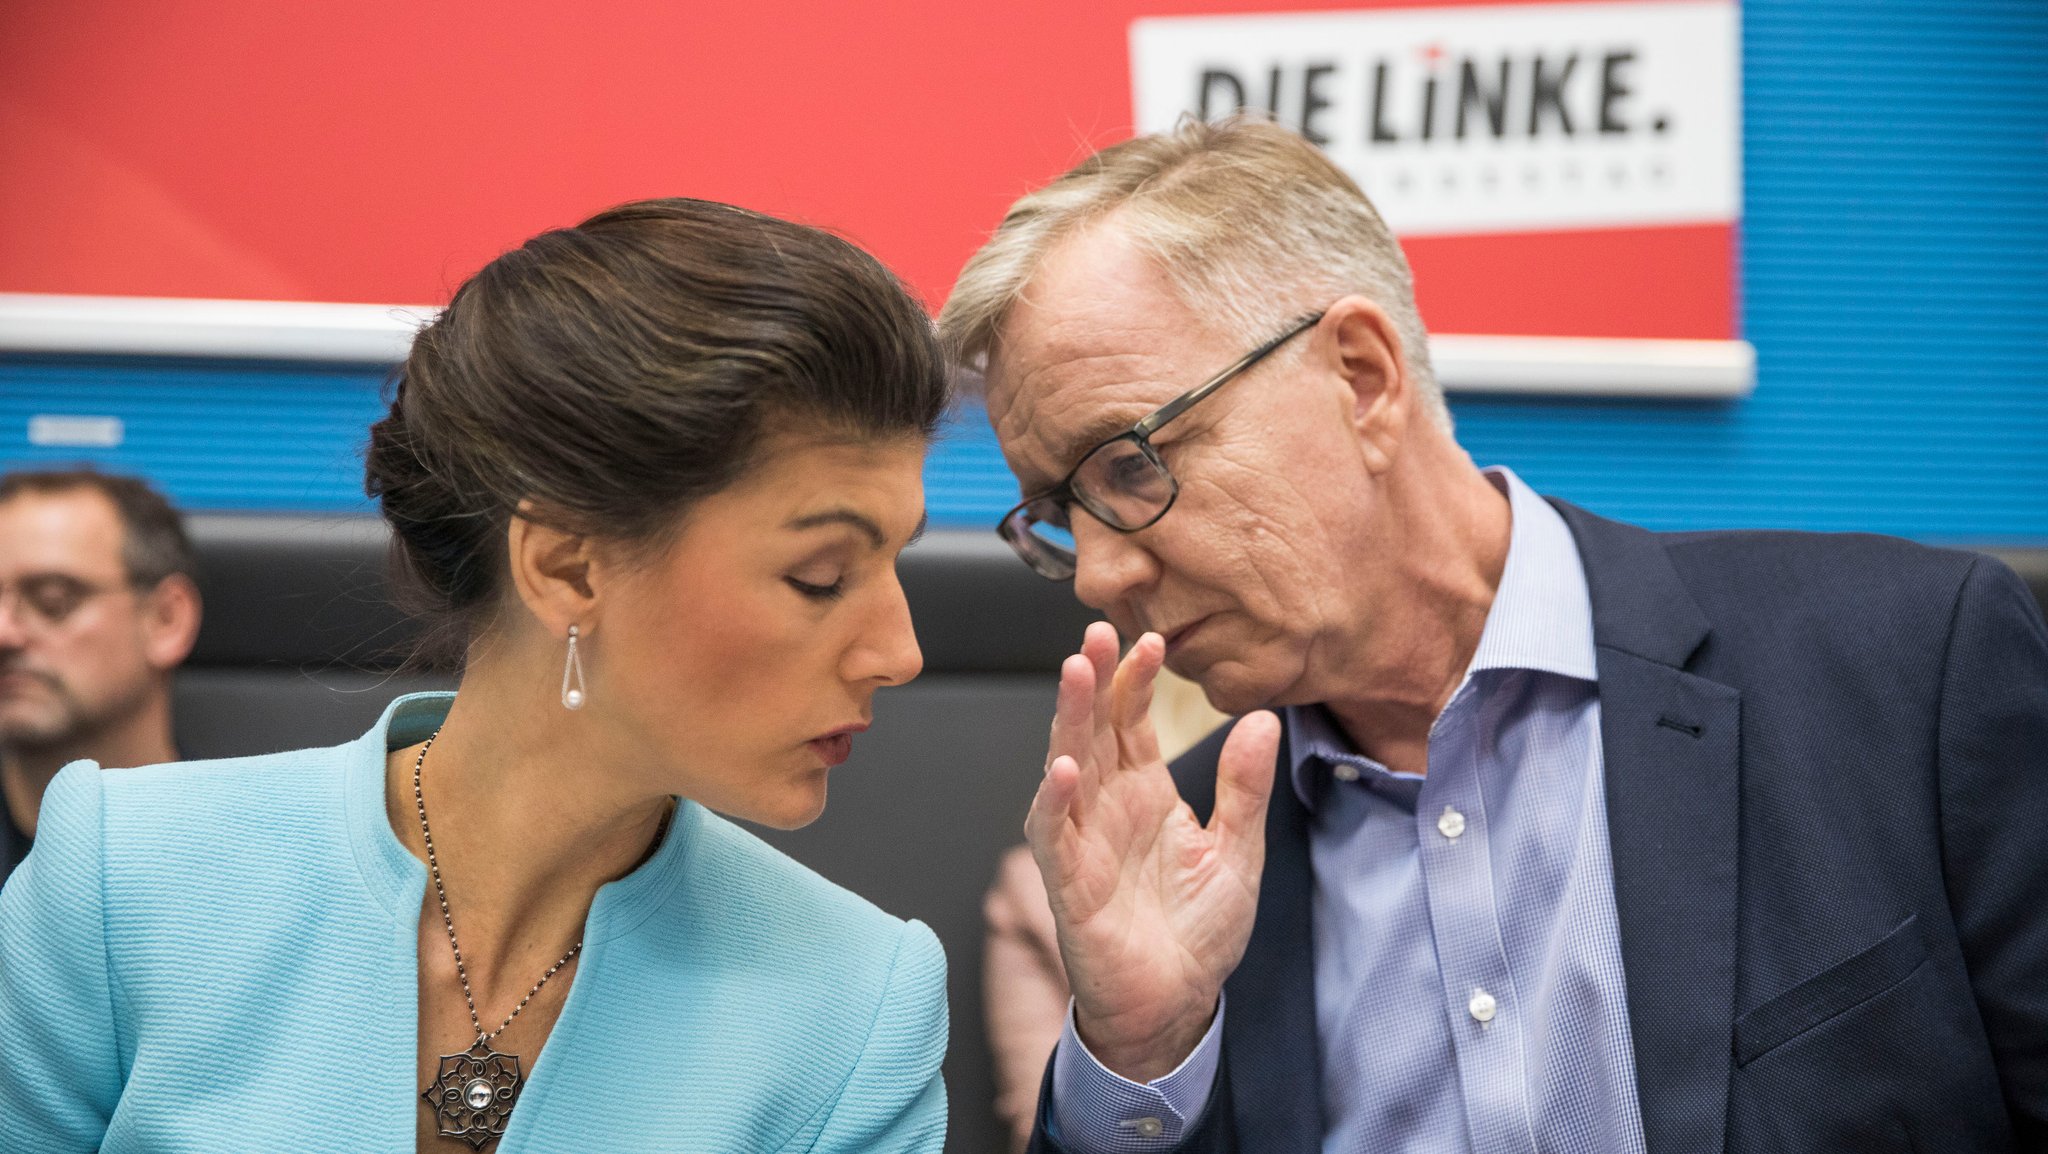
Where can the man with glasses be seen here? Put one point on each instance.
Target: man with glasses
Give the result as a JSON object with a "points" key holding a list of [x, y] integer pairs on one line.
{"points": [[1538, 832], [97, 608]]}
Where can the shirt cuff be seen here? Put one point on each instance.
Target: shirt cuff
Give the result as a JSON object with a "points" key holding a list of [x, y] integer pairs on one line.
{"points": [[1096, 1111]]}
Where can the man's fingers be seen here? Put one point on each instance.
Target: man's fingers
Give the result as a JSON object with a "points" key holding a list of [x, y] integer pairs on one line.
{"points": [[1098, 645], [1131, 701], [1050, 808], [1132, 687], [1074, 722], [1244, 784]]}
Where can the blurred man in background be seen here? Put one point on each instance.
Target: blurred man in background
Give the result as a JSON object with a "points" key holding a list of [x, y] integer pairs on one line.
{"points": [[97, 608]]}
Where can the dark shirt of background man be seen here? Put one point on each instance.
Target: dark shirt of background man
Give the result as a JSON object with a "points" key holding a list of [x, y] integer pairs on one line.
{"points": [[14, 844], [97, 608]]}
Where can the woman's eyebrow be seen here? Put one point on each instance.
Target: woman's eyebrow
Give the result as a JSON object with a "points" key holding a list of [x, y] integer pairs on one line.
{"points": [[861, 521]]}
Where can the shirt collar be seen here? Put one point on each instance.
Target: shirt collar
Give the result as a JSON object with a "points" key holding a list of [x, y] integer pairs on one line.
{"points": [[1541, 621], [1542, 616]]}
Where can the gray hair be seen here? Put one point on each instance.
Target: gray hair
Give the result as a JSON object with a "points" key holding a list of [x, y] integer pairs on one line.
{"points": [[1250, 223]]}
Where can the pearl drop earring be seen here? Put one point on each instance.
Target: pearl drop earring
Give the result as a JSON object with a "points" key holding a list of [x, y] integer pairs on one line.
{"points": [[572, 676]]}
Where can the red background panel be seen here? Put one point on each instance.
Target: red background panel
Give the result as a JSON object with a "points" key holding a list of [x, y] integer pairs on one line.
{"points": [[382, 151], [1620, 282]]}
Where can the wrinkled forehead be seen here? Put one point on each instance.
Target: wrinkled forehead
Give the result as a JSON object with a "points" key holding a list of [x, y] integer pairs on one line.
{"points": [[1048, 410], [1082, 356]]}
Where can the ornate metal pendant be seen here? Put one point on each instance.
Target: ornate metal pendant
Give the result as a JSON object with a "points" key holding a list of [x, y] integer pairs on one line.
{"points": [[474, 1093]]}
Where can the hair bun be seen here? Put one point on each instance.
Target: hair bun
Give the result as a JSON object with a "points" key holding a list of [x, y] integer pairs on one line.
{"points": [[438, 538]]}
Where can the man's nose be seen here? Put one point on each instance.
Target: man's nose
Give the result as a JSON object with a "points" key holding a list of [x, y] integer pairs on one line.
{"points": [[13, 632], [1108, 564]]}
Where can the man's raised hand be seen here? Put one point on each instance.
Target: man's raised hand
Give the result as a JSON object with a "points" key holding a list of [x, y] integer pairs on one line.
{"points": [[1153, 909]]}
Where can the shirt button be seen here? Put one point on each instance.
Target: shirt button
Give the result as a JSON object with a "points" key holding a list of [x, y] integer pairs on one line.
{"points": [[1451, 824], [1344, 772], [1482, 1006], [1149, 1127]]}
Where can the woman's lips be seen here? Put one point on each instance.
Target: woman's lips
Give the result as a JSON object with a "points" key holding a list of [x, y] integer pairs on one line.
{"points": [[835, 747], [832, 750]]}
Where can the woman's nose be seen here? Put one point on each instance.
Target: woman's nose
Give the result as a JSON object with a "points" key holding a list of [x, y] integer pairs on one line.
{"points": [[888, 651]]}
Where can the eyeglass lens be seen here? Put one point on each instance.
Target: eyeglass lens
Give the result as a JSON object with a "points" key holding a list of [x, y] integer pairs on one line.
{"points": [[1042, 534], [48, 600], [1119, 483], [1123, 484]]}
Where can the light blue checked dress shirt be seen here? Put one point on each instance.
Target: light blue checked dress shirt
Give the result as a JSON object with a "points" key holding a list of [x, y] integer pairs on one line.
{"points": [[1469, 992]]}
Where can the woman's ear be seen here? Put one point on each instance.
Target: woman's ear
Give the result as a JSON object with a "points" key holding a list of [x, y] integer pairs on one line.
{"points": [[554, 572], [1370, 357]]}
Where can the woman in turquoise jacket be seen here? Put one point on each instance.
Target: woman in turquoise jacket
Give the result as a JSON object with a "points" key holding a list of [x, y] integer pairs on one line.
{"points": [[650, 476]]}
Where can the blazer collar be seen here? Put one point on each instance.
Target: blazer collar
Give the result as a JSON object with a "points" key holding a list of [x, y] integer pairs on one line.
{"points": [[1640, 606], [1670, 742], [398, 879]]}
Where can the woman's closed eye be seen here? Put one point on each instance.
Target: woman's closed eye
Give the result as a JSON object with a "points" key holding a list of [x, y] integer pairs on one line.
{"points": [[827, 591]]}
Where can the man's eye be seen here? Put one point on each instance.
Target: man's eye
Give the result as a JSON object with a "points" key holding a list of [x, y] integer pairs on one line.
{"points": [[818, 592], [1131, 472], [52, 601]]}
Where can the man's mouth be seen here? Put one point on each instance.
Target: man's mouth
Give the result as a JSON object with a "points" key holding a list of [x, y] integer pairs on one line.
{"points": [[1179, 637], [15, 679]]}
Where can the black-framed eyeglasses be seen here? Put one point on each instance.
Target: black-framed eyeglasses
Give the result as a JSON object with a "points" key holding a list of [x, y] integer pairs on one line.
{"points": [[1120, 482]]}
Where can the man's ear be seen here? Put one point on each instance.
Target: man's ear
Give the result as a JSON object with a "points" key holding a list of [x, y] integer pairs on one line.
{"points": [[170, 622], [553, 571], [1369, 355]]}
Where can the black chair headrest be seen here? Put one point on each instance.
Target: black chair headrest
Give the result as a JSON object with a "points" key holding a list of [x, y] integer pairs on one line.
{"points": [[315, 592]]}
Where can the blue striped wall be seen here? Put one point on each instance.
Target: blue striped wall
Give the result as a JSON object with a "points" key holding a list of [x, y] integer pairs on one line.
{"points": [[213, 434], [1895, 281], [1895, 284]]}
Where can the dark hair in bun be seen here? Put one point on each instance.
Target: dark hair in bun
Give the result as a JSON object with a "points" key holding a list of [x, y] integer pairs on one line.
{"points": [[616, 372]]}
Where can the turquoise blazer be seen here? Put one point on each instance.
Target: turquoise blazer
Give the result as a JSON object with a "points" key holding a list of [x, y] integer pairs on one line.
{"points": [[221, 956]]}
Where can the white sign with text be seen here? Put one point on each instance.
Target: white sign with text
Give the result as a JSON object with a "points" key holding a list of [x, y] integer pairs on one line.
{"points": [[1507, 118]]}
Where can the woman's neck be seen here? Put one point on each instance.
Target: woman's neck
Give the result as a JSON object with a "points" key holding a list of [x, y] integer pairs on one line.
{"points": [[530, 814]]}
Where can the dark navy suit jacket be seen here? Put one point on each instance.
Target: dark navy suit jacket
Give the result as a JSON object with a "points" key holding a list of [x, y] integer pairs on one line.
{"points": [[1827, 797]]}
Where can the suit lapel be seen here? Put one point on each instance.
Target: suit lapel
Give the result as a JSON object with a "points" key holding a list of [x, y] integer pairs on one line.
{"points": [[1269, 1034], [1271, 1056], [1671, 743]]}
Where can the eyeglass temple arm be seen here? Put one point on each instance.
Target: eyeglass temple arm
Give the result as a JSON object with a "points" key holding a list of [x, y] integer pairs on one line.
{"points": [[1188, 400]]}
